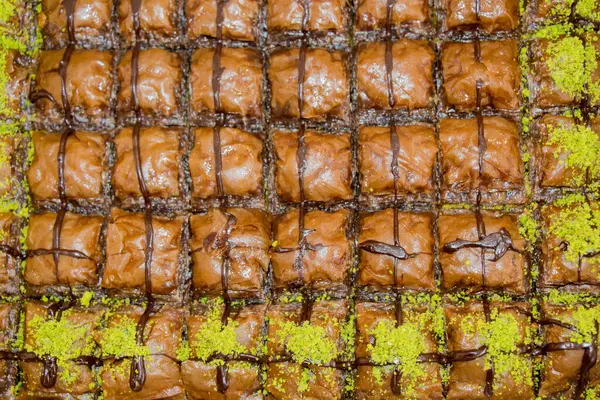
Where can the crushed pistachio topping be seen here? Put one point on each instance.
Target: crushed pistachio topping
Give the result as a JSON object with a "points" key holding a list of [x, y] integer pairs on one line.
{"points": [[577, 224], [119, 339], [585, 320], [62, 339], [86, 298], [558, 297], [581, 146], [214, 337], [184, 351], [528, 226], [502, 338], [592, 393], [588, 9], [571, 64], [307, 342]]}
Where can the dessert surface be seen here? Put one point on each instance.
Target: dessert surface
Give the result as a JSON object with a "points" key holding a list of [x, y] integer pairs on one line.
{"points": [[299, 199]]}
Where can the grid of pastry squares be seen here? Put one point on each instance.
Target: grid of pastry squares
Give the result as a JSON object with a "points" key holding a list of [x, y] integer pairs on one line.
{"points": [[356, 204]]}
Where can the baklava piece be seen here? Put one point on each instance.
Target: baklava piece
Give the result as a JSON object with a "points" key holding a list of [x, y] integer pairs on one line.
{"points": [[497, 70], [230, 251], [408, 264], [325, 89], [159, 21], [126, 252], [240, 18], [476, 260], [76, 259], [89, 84], [562, 160], [9, 329], [10, 232], [158, 350], [306, 371], [503, 330], [556, 83], [236, 343], [501, 168], [91, 20], [321, 260], [416, 158], [570, 330], [63, 340], [159, 161], [323, 15], [412, 75], [84, 164], [8, 179], [14, 67], [326, 166], [241, 163], [240, 86], [391, 338], [491, 15], [570, 245], [372, 15], [159, 84]]}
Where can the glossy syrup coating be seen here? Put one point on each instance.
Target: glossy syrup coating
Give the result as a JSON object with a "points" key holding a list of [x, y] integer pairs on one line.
{"points": [[159, 152], [325, 262], [497, 69], [85, 162], [327, 175], [126, 238], [234, 243], [412, 75], [502, 167]]}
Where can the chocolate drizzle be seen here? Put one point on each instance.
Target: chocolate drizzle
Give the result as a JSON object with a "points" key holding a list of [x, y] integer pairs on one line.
{"points": [[223, 238], [137, 373], [49, 367]]}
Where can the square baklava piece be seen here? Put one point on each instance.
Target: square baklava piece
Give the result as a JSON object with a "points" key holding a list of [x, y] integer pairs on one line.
{"points": [[89, 86], [239, 79], [491, 16], [411, 75], [240, 19], [215, 371], [471, 164], [411, 173], [160, 22], [159, 85], [320, 258], [372, 15], [406, 263], [484, 255], [386, 367], [241, 167], [63, 249], [73, 331], [92, 20], [230, 251], [323, 94], [323, 16], [562, 158], [159, 162], [84, 165], [10, 255], [570, 245], [503, 329], [302, 371], [326, 169], [492, 65], [158, 349], [126, 247], [15, 67]]}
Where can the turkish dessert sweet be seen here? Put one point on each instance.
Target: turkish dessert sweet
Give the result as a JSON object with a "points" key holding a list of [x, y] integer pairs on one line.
{"points": [[299, 199]]}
